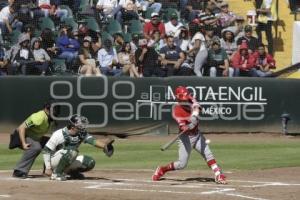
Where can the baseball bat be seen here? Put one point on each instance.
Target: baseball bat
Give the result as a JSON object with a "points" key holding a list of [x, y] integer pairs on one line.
{"points": [[172, 141]]}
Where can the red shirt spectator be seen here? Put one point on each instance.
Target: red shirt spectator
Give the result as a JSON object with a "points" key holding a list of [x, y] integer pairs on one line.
{"points": [[242, 59], [264, 62], [244, 62], [153, 25]]}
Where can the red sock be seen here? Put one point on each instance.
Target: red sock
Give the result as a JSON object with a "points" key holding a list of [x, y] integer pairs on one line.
{"points": [[169, 167], [213, 165]]}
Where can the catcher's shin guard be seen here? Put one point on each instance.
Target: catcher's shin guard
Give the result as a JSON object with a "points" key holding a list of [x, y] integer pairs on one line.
{"points": [[67, 158], [87, 164]]}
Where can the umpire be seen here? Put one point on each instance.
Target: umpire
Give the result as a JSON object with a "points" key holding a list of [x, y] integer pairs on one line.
{"points": [[29, 136]]}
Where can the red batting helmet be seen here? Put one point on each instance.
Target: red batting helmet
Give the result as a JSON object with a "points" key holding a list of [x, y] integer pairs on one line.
{"points": [[182, 93]]}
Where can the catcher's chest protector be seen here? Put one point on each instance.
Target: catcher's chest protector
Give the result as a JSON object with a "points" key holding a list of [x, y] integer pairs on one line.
{"points": [[72, 142]]}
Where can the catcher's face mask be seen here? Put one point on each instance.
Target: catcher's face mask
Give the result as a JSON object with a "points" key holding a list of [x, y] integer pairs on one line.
{"points": [[79, 122]]}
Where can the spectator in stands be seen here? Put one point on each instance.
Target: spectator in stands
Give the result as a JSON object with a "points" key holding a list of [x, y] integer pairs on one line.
{"points": [[108, 59], [21, 57], [228, 42], [147, 59], [128, 11], [197, 48], [68, 46], [266, 16], [150, 3], [209, 36], [264, 62], [156, 42], [218, 61], [107, 8], [239, 27], [8, 20], [134, 43], [96, 45], [171, 57], [3, 61], [192, 9], [243, 62], [48, 43], [48, 8], [118, 41], [252, 42], [226, 18], [126, 59], [87, 62], [182, 39], [208, 18], [41, 57], [153, 25], [173, 25]]}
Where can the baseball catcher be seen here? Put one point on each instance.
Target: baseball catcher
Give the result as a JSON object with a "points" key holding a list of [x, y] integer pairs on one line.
{"points": [[186, 113], [61, 156]]}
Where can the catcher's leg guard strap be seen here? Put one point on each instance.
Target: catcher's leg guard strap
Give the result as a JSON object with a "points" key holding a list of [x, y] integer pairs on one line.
{"points": [[67, 158], [87, 163]]}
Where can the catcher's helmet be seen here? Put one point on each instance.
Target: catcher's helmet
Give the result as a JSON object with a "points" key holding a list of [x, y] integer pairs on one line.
{"points": [[182, 93], [78, 121]]}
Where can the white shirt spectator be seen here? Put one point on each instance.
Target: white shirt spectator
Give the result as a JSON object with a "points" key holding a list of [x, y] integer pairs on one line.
{"points": [[44, 4], [107, 5], [268, 4], [171, 29], [198, 36], [128, 4], [5, 14], [106, 58]]}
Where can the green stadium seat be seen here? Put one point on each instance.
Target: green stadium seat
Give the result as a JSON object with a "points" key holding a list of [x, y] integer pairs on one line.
{"points": [[127, 37], [92, 24], [37, 33], [148, 12], [114, 27], [66, 7], [14, 37], [46, 22], [84, 3], [136, 26], [59, 66], [168, 12], [71, 22], [105, 35]]}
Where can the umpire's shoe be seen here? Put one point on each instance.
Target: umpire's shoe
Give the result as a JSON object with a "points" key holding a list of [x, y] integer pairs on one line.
{"points": [[19, 174]]}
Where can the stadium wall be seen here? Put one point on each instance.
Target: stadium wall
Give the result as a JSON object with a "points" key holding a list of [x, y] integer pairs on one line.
{"points": [[229, 105]]}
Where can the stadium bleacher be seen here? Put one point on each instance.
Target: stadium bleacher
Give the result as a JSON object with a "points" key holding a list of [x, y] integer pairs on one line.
{"points": [[87, 19]]}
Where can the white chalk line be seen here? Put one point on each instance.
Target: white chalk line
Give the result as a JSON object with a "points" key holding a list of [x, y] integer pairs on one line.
{"points": [[217, 191], [4, 196], [243, 196], [223, 191]]}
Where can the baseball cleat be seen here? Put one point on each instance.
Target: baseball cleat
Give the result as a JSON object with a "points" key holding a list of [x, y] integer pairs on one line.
{"points": [[220, 179], [58, 177], [157, 174]]}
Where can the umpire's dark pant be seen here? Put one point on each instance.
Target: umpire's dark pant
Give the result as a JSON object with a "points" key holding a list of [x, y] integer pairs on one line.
{"points": [[29, 155]]}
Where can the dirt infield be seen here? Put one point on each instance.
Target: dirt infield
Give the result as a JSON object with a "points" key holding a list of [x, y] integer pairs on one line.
{"points": [[272, 184], [275, 184]]}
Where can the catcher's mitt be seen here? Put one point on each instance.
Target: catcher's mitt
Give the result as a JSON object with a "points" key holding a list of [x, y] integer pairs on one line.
{"points": [[109, 148]]}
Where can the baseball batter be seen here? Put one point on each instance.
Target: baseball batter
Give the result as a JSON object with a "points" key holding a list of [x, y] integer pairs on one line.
{"points": [[61, 151], [186, 114]]}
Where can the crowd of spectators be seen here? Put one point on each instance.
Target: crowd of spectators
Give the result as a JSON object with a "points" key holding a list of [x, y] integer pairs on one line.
{"points": [[176, 38]]}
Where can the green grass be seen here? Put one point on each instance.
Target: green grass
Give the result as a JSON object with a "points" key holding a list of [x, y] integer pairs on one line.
{"points": [[146, 155]]}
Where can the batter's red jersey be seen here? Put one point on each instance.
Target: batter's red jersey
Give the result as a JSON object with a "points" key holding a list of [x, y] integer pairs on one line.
{"points": [[183, 117]]}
